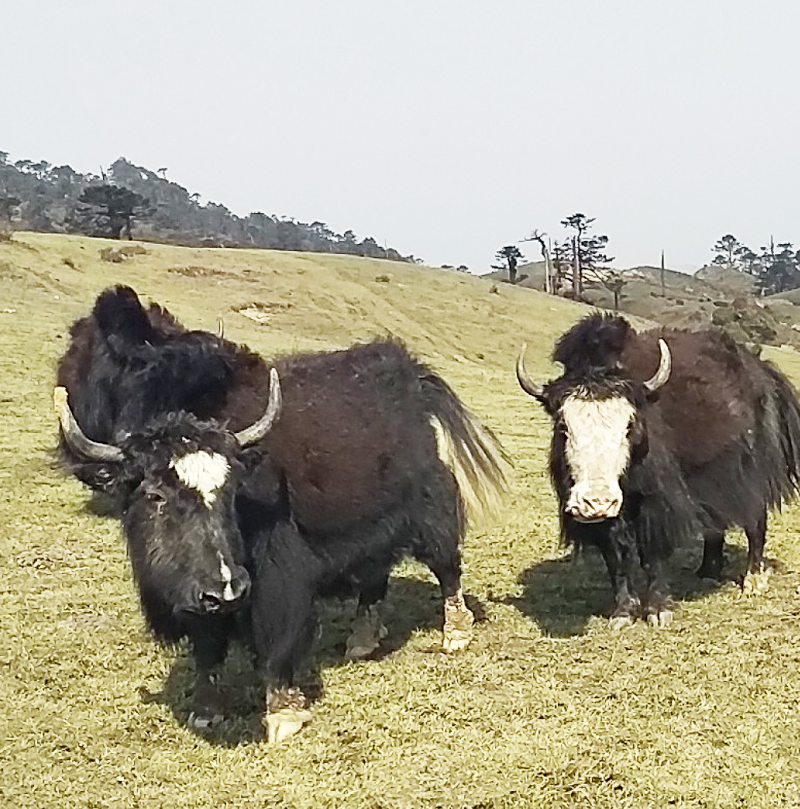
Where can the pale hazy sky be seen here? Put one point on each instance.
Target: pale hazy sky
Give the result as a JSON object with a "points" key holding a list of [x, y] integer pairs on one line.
{"points": [[445, 128]]}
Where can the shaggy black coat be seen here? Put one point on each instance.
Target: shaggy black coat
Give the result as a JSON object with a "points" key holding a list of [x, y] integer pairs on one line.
{"points": [[347, 482], [717, 446]]}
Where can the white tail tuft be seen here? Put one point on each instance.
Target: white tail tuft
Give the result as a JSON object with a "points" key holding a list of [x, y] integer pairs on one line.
{"points": [[478, 467]]}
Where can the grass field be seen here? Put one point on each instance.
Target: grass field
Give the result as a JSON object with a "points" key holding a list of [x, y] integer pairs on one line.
{"points": [[547, 708]]}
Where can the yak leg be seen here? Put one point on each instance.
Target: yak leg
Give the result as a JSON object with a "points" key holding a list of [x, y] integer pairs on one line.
{"points": [[458, 618], [441, 526], [368, 630], [209, 636], [713, 558], [283, 621], [757, 576], [620, 561], [458, 621], [658, 604]]}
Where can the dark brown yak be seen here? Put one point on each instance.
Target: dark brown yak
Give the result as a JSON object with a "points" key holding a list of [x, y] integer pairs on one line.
{"points": [[660, 438], [235, 528]]}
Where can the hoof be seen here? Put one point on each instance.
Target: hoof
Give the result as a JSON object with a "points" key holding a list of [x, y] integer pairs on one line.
{"points": [[458, 621], [284, 723], [661, 619], [366, 637], [202, 723], [287, 712], [618, 622], [756, 582]]}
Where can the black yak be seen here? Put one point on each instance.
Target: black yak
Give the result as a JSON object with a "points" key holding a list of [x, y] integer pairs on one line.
{"points": [[662, 437], [247, 492]]}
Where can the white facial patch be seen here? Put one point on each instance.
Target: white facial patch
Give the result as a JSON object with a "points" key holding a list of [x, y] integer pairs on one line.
{"points": [[205, 472], [597, 446], [225, 573]]}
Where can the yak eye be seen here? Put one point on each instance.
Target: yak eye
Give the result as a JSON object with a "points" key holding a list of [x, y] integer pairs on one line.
{"points": [[155, 496]]}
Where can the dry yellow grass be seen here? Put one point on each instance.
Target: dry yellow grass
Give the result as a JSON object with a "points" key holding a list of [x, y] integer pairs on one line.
{"points": [[548, 708]]}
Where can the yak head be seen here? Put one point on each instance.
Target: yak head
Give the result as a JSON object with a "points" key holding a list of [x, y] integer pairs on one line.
{"points": [[177, 479], [599, 433]]}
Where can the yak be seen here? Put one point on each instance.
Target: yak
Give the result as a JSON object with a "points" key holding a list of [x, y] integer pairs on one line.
{"points": [[662, 437], [250, 489]]}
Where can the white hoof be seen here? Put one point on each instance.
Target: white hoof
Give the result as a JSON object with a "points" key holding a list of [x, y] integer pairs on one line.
{"points": [[367, 634], [284, 723], [660, 620], [618, 622], [458, 621], [757, 583]]}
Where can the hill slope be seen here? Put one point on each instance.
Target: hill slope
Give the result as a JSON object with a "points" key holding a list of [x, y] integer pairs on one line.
{"points": [[713, 295], [548, 707]]}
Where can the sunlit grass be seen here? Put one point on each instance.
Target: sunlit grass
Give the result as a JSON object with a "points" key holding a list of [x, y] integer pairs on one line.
{"points": [[548, 708]]}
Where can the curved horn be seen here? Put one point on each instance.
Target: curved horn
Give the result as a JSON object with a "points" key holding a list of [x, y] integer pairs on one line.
{"points": [[220, 328], [75, 437], [664, 368], [255, 432], [526, 383]]}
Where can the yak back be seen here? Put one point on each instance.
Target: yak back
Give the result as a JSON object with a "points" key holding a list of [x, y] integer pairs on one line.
{"points": [[354, 436], [712, 396]]}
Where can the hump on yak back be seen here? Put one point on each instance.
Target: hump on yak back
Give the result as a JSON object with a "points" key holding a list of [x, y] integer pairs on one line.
{"points": [[127, 363], [713, 393], [117, 313], [594, 343], [353, 432]]}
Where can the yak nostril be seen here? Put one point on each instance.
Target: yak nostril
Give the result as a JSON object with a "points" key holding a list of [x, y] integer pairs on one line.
{"points": [[237, 586], [240, 587], [210, 602]]}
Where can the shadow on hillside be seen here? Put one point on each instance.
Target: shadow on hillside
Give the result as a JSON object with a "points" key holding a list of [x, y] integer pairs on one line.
{"points": [[562, 595], [411, 605]]}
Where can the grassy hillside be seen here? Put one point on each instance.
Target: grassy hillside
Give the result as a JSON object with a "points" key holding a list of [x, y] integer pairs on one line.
{"points": [[548, 707]]}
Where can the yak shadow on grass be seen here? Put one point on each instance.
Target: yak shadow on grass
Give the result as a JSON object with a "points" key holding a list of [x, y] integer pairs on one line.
{"points": [[411, 605], [562, 595]]}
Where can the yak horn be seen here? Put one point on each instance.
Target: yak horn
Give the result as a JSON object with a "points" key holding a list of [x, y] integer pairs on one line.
{"points": [[255, 432], [220, 328], [76, 438], [526, 383], [664, 368]]}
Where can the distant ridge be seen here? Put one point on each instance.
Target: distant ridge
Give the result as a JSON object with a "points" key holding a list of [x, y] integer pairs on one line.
{"points": [[46, 199]]}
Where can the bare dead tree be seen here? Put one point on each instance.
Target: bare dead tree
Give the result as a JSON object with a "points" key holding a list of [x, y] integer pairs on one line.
{"points": [[548, 267]]}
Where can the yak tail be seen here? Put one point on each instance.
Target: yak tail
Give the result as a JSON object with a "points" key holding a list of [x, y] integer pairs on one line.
{"points": [[469, 449], [788, 408]]}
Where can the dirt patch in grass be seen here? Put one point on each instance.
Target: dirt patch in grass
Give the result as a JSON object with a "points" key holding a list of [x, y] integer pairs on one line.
{"points": [[197, 271], [261, 312]]}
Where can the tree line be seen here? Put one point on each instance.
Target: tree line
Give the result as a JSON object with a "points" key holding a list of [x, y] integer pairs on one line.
{"points": [[129, 201], [775, 267], [572, 262], [580, 259]]}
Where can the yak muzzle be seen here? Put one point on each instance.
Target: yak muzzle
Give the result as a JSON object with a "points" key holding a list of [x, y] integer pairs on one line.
{"points": [[593, 504], [224, 596]]}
